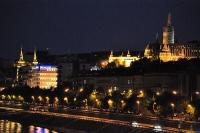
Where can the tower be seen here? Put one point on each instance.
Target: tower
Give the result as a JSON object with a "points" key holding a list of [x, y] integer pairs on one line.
{"points": [[20, 63], [35, 62], [168, 33]]}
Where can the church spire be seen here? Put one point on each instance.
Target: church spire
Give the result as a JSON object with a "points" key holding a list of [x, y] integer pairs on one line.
{"points": [[35, 62], [169, 19], [21, 57], [111, 53], [128, 54]]}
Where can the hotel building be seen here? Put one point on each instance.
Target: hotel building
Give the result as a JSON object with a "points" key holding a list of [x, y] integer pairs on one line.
{"points": [[43, 76]]}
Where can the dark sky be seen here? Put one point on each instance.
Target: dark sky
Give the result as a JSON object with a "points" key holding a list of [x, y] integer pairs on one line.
{"points": [[91, 25]]}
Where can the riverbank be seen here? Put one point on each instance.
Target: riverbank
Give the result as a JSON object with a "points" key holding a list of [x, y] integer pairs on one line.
{"points": [[63, 125]]}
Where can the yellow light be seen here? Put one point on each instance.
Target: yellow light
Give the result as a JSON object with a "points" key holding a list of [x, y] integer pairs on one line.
{"points": [[141, 94], [13, 97], [47, 98], [110, 103], [32, 97], [39, 98], [66, 99], [190, 109], [138, 102]]}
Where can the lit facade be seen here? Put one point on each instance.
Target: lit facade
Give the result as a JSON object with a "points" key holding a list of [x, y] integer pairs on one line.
{"points": [[21, 64], [43, 76], [171, 51], [123, 60]]}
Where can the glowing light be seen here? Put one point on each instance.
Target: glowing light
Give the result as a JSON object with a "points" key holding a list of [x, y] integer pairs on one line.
{"points": [[81, 90], [141, 94], [40, 98], [173, 105], [197, 92], [67, 89], [158, 93], [47, 99], [66, 99], [110, 103], [174, 92]]}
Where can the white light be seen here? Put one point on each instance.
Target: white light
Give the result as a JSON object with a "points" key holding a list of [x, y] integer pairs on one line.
{"points": [[157, 128], [135, 124]]}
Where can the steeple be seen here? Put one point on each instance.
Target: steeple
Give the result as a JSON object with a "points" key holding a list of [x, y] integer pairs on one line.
{"points": [[21, 57], [169, 19], [128, 54], [35, 62], [111, 53], [20, 63], [168, 33]]}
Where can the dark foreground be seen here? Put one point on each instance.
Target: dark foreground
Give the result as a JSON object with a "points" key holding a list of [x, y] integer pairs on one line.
{"points": [[63, 125]]}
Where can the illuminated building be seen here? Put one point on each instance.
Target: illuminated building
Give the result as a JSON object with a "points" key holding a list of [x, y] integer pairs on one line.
{"points": [[123, 60], [170, 50], [152, 49], [35, 75], [20, 63], [35, 62], [43, 76]]}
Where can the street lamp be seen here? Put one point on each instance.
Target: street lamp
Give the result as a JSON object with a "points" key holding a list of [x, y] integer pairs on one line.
{"points": [[81, 90], [172, 105], [110, 103], [174, 92], [158, 93], [66, 90], [138, 105]]}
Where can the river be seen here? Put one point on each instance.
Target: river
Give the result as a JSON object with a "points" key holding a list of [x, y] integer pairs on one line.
{"points": [[14, 127]]}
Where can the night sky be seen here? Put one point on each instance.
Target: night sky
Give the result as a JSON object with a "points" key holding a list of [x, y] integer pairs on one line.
{"points": [[92, 25]]}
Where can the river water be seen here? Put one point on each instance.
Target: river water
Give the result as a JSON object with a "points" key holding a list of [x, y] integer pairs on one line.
{"points": [[14, 127]]}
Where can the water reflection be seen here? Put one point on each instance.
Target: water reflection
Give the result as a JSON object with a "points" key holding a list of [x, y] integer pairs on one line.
{"points": [[14, 127]]}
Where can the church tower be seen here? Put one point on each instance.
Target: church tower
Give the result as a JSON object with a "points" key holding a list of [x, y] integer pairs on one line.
{"points": [[35, 62], [20, 63], [168, 33], [168, 39]]}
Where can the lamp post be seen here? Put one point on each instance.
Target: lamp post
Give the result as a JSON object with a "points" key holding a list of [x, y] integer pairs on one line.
{"points": [[138, 105], [172, 105]]}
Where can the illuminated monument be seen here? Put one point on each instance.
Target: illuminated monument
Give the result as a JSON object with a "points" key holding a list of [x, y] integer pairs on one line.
{"points": [[169, 50], [35, 75], [123, 60]]}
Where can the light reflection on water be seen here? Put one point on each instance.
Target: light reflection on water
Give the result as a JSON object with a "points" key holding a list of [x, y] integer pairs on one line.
{"points": [[14, 127]]}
